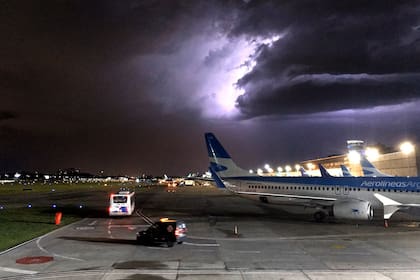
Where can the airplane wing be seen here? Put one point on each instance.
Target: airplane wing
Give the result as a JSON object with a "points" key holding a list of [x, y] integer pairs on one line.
{"points": [[392, 206]]}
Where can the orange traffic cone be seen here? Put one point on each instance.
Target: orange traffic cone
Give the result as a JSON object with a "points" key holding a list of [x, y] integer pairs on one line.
{"points": [[58, 216]]}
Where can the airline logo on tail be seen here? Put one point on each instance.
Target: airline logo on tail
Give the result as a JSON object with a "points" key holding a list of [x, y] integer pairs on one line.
{"points": [[220, 161], [345, 171], [324, 172], [369, 170]]}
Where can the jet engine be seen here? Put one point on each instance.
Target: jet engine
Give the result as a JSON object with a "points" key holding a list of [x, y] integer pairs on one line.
{"points": [[355, 210]]}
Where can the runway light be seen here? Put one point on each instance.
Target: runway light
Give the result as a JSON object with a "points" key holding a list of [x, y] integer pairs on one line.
{"points": [[80, 206], [54, 206], [407, 148], [29, 205], [1, 207], [354, 157]]}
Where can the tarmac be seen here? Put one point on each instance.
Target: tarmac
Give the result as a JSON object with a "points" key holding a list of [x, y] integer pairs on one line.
{"points": [[228, 238]]}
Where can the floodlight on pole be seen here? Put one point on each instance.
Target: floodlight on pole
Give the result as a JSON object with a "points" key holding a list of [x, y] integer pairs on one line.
{"points": [[354, 157], [297, 167], [259, 171], [372, 153], [288, 168], [279, 169], [310, 166], [251, 171], [266, 166], [407, 148]]}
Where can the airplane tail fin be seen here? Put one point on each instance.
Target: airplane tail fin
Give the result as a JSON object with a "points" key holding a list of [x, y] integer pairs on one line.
{"points": [[303, 172], [369, 170], [345, 171], [324, 172], [221, 164]]}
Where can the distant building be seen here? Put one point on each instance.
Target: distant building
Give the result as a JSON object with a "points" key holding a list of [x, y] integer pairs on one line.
{"points": [[397, 163]]}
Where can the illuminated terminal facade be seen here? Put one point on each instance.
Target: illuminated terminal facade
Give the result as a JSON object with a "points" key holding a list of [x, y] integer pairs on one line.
{"points": [[404, 162]]}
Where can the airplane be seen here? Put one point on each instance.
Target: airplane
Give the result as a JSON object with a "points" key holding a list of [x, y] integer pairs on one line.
{"points": [[345, 171], [341, 197], [369, 170]]}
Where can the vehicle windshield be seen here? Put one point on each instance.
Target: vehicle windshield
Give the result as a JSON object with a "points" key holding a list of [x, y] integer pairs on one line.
{"points": [[120, 199]]}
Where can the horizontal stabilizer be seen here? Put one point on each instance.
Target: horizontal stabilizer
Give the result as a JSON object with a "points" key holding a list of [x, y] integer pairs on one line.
{"points": [[216, 178]]}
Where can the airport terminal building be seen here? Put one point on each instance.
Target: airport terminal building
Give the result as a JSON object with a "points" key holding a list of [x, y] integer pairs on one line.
{"points": [[404, 162]]}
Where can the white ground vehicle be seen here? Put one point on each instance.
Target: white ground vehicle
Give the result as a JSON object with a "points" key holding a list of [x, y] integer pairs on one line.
{"points": [[189, 183], [122, 203]]}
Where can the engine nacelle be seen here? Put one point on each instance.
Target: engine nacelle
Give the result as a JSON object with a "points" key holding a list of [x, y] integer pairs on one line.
{"points": [[355, 210]]}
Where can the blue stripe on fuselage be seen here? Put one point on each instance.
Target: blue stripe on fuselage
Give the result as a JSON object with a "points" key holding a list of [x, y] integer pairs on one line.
{"points": [[391, 183]]}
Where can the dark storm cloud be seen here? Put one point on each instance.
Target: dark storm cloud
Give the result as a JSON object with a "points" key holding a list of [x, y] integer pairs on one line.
{"points": [[89, 78], [75, 55], [333, 55], [307, 94], [130, 86]]}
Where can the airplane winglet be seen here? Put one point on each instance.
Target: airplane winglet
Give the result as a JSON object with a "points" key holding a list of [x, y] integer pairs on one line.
{"points": [[390, 206], [385, 200]]}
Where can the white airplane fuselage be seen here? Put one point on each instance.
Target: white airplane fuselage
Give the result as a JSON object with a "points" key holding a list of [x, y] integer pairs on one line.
{"points": [[326, 189], [346, 197]]}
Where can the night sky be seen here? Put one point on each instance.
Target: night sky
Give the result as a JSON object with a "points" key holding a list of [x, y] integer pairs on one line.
{"points": [[130, 87]]}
